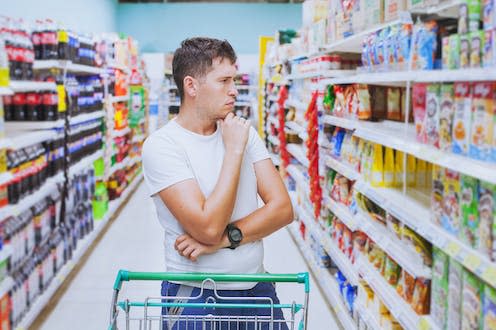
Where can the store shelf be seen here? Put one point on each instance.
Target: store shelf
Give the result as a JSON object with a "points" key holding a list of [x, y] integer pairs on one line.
{"points": [[388, 78], [6, 91], [115, 65], [22, 139], [123, 98], [344, 264], [33, 125], [70, 66], [297, 152], [295, 127], [445, 9], [354, 43], [19, 86], [30, 200], [86, 117], [345, 170], [322, 74], [272, 139], [85, 163], [83, 246], [326, 282], [6, 285], [5, 253], [479, 74], [121, 132], [5, 178], [398, 307], [120, 165], [392, 134], [342, 213], [367, 316], [273, 120], [296, 104]]}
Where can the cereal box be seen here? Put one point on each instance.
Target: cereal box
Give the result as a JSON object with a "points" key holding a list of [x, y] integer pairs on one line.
{"points": [[488, 15], [439, 297], [489, 52], [446, 117], [451, 220], [464, 51], [472, 301], [419, 111], [462, 117], [482, 121], [445, 52], [476, 48], [454, 52], [432, 114], [489, 308], [470, 214], [463, 17], [437, 195], [455, 287], [487, 214]]}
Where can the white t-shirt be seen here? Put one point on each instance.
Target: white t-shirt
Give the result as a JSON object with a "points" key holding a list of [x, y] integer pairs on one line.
{"points": [[173, 154]]}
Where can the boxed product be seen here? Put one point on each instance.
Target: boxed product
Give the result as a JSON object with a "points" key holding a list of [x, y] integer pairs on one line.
{"points": [[392, 271], [419, 94], [482, 120], [471, 301], [476, 48], [454, 52], [455, 287], [439, 298], [450, 220], [393, 103], [446, 117], [445, 52], [489, 14], [417, 245], [392, 8], [374, 12], [474, 14], [464, 51], [489, 308], [470, 215], [489, 52], [462, 117], [463, 17], [432, 114], [421, 296], [406, 286], [487, 216], [378, 102], [425, 45], [437, 195]]}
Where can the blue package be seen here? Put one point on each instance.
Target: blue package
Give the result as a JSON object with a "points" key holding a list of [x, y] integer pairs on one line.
{"points": [[425, 46], [339, 142]]}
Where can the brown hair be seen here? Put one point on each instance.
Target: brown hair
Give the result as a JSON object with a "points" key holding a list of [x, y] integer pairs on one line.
{"points": [[194, 58]]}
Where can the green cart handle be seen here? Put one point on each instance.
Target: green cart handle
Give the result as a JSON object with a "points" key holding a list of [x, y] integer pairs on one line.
{"points": [[124, 275]]}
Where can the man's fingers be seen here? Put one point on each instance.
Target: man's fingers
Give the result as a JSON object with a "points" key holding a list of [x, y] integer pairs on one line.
{"points": [[181, 246], [187, 251], [194, 255]]}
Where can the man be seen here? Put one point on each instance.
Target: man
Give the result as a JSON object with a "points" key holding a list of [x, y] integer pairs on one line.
{"points": [[204, 170]]}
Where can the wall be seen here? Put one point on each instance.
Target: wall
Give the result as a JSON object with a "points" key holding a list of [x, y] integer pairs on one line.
{"points": [[161, 27], [88, 16]]}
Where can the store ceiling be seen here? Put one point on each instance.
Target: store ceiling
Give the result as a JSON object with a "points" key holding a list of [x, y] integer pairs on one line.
{"points": [[230, 1]]}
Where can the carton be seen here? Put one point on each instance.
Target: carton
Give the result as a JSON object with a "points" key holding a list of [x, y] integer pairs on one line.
{"points": [[472, 301], [462, 117], [432, 114], [419, 111], [487, 214], [470, 214], [392, 8], [437, 195], [446, 117], [489, 53], [482, 121], [489, 308], [451, 220], [439, 297], [464, 51], [455, 287], [476, 48]]}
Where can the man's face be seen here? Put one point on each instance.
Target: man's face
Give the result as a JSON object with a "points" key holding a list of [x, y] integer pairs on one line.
{"points": [[217, 93]]}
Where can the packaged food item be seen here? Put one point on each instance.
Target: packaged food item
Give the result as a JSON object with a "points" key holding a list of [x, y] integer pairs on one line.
{"points": [[389, 168], [437, 195], [404, 44], [417, 245], [451, 219], [464, 51], [406, 286], [487, 216], [482, 120], [439, 298], [454, 52], [489, 308], [471, 301], [425, 45], [421, 296], [489, 15], [364, 109], [432, 114], [378, 102], [394, 225], [419, 95], [468, 204], [392, 9], [463, 17], [398, 168], [489, 51], [476, 48], [393, 103], [391, 271], [493, 148], [455, 287], [411, 170], [421, 173], [462, 117], [445, 52], [446, 117], [378, 167], [474, 14]]}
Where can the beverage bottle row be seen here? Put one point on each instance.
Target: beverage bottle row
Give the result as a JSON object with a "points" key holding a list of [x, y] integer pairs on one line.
{"points": [[18, 48], [32, 106]]}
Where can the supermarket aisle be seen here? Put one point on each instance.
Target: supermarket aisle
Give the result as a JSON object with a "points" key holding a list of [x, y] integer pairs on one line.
{"points": [[134, 242]]}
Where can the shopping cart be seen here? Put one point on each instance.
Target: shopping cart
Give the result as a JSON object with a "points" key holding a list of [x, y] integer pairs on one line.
{"points": [[149, 320]]}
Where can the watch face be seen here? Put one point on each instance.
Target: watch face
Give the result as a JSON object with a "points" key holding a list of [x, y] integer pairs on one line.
{"points": [[236, 235]]}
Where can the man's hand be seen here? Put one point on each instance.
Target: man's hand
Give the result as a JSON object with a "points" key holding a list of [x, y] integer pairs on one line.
{"points": [[235, 132], [191, 249]]}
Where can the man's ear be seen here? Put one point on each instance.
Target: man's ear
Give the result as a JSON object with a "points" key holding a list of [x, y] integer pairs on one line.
{"points": [[189, 84]]}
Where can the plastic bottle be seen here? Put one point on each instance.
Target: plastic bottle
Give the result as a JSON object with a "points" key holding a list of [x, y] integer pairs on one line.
{"points": [[19, 105], [36, 39], [49, 41], [34, 108], [50, 105], [389, 165], [63, 48]]}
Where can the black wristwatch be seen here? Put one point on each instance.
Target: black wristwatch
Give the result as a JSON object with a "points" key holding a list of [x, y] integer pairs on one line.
{"points": [[235, 236]]}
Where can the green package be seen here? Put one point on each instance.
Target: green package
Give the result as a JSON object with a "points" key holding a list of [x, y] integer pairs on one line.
{"points": [[487, 216], [489, 308], [464, 51], [455, 287], [474, 10], [476, 48], [454, 52], [470, 215], [472, 301], [439, 296]]}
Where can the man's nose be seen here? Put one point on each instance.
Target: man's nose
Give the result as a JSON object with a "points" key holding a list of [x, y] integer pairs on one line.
{"points": [[233, 91]]}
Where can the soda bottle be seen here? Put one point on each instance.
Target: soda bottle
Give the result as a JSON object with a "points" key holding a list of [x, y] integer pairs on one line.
{"points": [[63, 44], [49, 41], [8, 108], [50, 105], [34, 109], [19, 105], [36, 39]]}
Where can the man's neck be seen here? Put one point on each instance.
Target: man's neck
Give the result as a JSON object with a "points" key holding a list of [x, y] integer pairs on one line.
{"points": [[189, 119]]}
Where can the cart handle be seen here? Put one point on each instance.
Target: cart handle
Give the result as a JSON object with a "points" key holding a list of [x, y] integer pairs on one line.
{"points": [[124, 275]]}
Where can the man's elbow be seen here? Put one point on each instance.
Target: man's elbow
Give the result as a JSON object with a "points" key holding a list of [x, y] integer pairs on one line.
{"points": [[286, 212], [211, 236]]}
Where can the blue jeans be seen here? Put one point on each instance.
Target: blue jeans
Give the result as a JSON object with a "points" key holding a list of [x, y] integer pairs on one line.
{"points": [[262, 289]]}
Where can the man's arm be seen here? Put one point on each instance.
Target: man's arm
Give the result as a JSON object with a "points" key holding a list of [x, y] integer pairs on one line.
{"points": [[205, 219]]}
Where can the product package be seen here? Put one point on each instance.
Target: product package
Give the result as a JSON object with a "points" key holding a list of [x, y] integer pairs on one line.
{"points": [[454, 52], [437, 195], [462, 117], [406, 286], [416, 244], [445, 47], [421, 173], [425, 45], [474, 14], [472, 301], [392, 271], [464, 51], [364, 109], [455, 287], [432, 114], [446, 117], [419, 94], [468, 204], [463, 17], [451, 219], [439, 298], [393, 103], [487, 216], [489, 52], [421, 296], [476, 48], [489, 308], [489, 15], [482, 120], [378, 102]]}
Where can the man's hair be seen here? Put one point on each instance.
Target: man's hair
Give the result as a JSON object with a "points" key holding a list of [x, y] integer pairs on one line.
{"points": [[195, 56]]}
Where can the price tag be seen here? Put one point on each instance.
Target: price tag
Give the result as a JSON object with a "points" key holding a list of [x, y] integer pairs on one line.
{"points": [[489, 275], [472, 262], [453, 249], [424, 324]]}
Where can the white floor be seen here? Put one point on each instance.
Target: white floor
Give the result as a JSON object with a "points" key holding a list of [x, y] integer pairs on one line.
{"points": [[134, 242]]}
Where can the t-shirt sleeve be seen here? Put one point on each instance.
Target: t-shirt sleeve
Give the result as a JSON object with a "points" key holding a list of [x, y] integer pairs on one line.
{"points": [[164, 164], [256, 147]]}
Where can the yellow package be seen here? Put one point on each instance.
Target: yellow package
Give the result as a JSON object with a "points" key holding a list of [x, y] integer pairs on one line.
{"points": [[398, 168], [377, 167], [389, 168], [411, 166], [421, 173]]}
